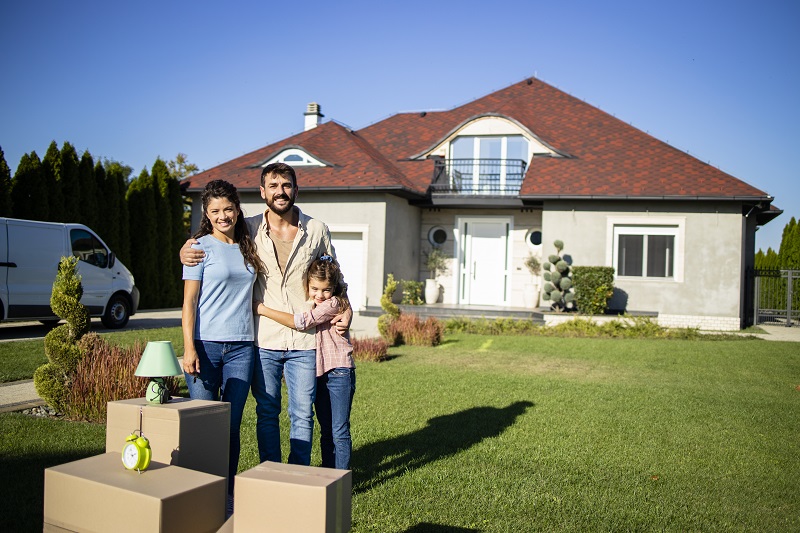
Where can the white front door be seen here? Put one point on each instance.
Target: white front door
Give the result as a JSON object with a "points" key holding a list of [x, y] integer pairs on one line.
{"points": [[349, 247], [483, 248]]}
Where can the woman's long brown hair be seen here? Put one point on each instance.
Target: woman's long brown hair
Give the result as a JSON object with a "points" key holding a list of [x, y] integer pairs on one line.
{"points": [[224, 189]]}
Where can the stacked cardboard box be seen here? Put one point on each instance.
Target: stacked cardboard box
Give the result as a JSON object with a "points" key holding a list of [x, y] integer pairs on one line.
{"points": [[278, 497], [99, 494], [193, 434], [184, 488]]}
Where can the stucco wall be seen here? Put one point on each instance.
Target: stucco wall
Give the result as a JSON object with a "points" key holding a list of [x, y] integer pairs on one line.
{"points": [[367, 213], [712, 253], [520, 279], [390, 226]]}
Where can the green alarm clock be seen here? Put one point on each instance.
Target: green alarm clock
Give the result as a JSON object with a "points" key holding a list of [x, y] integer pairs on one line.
{"points": [[136, 453]]}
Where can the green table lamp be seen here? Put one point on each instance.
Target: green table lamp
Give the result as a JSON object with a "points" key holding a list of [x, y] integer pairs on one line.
{"points": [[158, 361]]}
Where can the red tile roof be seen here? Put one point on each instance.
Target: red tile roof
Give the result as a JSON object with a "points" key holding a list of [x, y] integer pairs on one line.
{"points": [[606, 156]]}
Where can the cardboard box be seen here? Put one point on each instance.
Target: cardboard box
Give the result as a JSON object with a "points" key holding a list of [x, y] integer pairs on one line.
{"points": [[99, 494], [227, 527], [277, 497], [193, 434]]}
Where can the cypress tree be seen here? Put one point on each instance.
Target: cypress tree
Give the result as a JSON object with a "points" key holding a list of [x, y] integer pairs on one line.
{"points": [[70, 186], [165, 242], [785, 250], [5, 186], [51, 170], [793, 244], [117, 178], [143, 238], [179, 236], [771, 260], [87, 185], [758, 260], [27, 189], [108, 217]]}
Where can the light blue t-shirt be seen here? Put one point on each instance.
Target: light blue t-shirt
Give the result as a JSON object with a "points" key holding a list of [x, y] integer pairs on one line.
{"points": [[225, 303]]}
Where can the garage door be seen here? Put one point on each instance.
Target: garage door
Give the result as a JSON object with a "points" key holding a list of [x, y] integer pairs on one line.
{"points": [[349, 248]]}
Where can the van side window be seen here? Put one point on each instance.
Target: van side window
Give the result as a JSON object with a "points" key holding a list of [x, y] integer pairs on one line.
{"points": [[86, 247]]}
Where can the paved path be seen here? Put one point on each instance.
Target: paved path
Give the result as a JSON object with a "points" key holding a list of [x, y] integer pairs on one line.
{"points": [[20, 395]]}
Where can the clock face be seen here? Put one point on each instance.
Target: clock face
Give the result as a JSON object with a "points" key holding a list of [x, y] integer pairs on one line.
{"points": [[130, 456]]}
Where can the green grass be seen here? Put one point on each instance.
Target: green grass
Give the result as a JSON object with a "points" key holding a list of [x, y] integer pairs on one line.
{"points": [[515, 434], [19, 359]]}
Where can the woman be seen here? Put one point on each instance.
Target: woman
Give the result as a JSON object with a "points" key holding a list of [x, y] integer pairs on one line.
{"points": [[217, 316]]}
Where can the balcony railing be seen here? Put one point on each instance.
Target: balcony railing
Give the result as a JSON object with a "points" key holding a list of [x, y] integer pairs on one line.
{"points": [[486, 177]]}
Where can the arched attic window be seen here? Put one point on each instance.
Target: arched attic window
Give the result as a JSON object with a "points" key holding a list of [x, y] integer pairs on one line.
{"points": [[295, 157]]}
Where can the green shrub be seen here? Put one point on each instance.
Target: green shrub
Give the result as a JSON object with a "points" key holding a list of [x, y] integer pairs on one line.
{"points": [[638, 327], [50, 382], [53, 379], [558, 283], [387, 304], [412, 292], [498, 326], [391, 311], [371, 349], [594, 286]]}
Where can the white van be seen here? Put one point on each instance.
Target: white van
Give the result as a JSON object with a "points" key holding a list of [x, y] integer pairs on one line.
{"points": [[30, 252]]}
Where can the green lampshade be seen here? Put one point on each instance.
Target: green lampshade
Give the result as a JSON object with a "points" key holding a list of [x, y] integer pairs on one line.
{"points": [[158, 360]]}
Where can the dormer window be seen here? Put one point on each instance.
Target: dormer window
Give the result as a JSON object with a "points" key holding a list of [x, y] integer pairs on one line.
{"points": [[492, 164]]}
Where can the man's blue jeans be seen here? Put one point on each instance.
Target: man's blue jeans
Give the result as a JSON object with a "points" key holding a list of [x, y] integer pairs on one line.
{"points": [[225, 372], [335, 390], [299, 368]]}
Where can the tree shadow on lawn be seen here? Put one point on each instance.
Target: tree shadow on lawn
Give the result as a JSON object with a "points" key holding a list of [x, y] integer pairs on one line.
{"points": [[444, 436], [22, 505]]}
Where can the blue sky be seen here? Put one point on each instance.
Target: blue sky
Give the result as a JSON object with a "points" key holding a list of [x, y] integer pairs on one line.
{"points": [[215, 80]]}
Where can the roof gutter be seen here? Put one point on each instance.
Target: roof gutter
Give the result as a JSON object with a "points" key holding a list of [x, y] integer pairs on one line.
{"points": [[630, 197]]}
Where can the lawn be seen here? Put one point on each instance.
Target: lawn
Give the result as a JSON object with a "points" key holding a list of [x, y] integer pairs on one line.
{"points": [[515, 434]]}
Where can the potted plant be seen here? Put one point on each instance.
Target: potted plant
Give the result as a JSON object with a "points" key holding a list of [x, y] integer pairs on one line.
{"points": [[436, 263], [531, 290]]}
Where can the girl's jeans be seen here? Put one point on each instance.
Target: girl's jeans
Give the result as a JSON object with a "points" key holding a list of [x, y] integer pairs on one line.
{"points": [[335, 390]]}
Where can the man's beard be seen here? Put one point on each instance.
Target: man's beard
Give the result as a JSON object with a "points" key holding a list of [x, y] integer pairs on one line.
{"points": [[281, 210]]}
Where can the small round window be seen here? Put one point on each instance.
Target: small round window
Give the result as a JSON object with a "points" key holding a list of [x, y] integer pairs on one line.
{"points": [[533, 238], [437, 236]]}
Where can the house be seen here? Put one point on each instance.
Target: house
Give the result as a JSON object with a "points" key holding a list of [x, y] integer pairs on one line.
{"points": [[502, 177]]}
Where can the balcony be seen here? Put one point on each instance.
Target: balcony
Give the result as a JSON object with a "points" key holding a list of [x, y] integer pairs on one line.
{"points": [[477, 177]]}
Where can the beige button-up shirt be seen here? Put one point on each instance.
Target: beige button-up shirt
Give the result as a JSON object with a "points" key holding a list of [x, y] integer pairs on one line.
{"points": [[286, 292]]}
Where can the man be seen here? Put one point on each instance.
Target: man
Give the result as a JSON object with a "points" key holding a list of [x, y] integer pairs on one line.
{"points": [[287, 241]]}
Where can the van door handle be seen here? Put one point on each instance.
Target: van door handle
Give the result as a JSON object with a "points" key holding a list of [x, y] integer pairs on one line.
{"points": [[10, 265]]}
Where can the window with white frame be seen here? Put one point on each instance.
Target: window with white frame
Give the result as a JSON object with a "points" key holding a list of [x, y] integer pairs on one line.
{"points": [[648, 251], [296, 158]]}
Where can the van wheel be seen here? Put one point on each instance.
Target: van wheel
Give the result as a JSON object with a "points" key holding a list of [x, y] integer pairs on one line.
{"points": [[117, 313]]}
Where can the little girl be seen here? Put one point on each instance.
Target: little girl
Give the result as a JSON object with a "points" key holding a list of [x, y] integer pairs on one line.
{"points": [[336, 372]]}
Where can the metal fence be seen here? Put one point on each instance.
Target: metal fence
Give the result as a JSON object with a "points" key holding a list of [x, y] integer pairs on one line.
{"points": [[776, 297]]}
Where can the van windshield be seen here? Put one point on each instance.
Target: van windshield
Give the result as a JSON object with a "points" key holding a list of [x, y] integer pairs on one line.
{"points": [[86, 247]]}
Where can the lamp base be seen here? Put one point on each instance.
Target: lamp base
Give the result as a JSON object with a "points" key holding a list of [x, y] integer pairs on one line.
{"points": [[157, 391]]}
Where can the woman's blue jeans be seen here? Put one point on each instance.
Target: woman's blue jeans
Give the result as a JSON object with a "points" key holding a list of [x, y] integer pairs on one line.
{"points": [[299, 369], [226, 369], [335, 390]]}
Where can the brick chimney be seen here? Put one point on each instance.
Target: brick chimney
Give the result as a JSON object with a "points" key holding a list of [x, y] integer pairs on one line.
{"points": [[313, 116]]}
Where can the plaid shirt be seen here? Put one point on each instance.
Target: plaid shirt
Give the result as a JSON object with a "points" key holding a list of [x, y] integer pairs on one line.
{"points": [[333, 350]]}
